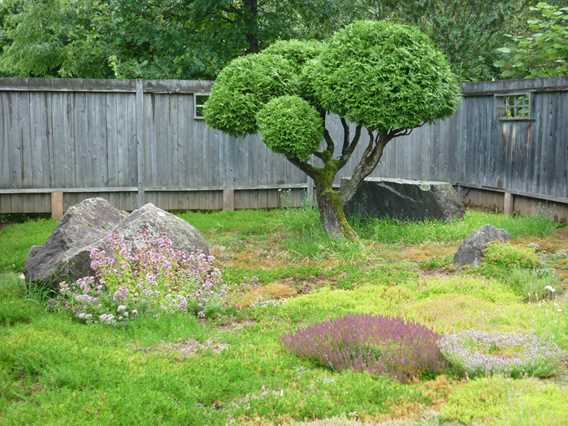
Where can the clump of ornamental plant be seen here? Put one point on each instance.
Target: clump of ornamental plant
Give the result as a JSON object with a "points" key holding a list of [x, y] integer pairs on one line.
{"points": [[506, 255], [379, 345], [380, 80], [479, 353], [522, 270], [150, 276]]}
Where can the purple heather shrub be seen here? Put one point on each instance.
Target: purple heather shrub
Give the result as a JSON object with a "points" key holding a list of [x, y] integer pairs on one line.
{"points": [[147, 275], [394, 347], [511, 354]]}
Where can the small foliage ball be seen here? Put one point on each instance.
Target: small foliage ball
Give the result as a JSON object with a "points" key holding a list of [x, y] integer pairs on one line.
{"points": [[289, 125], [242, 89], [385, 76]]}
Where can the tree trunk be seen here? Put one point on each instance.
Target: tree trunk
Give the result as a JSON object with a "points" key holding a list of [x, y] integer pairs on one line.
{"points": [[251, 22], [332, 214]]}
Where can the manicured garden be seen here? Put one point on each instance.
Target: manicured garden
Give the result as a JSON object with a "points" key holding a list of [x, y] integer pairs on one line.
{"points": [[296, 329]]}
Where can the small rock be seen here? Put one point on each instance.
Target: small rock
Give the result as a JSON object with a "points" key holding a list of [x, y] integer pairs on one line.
{"points": [[471, 250]]}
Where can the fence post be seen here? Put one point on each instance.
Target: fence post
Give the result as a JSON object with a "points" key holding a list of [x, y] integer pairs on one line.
{"points": [[57, 208], [140, 141], [508, 204], [228, 199]]}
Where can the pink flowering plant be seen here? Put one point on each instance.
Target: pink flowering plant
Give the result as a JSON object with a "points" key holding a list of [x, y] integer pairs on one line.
{"points": [[147, 275], [382, 345]]}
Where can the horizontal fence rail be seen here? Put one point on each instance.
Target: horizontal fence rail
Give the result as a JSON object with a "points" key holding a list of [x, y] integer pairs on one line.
{"points": [[125, 139]]}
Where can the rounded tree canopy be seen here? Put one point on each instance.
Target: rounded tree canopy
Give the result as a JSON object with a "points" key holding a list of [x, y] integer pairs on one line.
{"points": [[384, 76], [289, 125], [303, 54], [243, 87], [296, 51]]}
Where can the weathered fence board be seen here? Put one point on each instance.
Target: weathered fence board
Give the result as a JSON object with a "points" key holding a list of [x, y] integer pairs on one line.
{"points": [[80, 137]]}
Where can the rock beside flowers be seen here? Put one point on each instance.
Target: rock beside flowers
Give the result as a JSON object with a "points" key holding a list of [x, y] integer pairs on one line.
{"points": [[88, 225], [66, 248], [159, 222], [471, 250]]}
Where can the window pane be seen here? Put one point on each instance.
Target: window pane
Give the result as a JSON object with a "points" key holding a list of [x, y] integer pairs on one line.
{"points": [[514, 106], [201, 99]]}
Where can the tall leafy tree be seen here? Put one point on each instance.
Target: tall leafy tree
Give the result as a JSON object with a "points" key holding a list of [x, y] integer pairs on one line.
{"points": [[542, 49], [140, 38], [63, 38], [467, 31]]}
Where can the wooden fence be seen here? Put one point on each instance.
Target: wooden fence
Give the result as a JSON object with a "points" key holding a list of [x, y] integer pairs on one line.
{"points": [[71, 139]]}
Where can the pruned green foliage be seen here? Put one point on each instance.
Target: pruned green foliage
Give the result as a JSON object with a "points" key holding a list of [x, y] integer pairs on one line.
{"points": [[242, 89], [303, 54], [289, 125], [385, 76], [297, 51], [306, 78]]}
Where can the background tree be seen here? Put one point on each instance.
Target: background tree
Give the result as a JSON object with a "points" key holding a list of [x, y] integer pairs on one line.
{"points": [[385, 78], [57, 38], [541, 50], [189, 39]]}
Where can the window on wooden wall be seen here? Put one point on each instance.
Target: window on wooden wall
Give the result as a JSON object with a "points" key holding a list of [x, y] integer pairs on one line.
{"points": [[199, 100], [514, 106]]}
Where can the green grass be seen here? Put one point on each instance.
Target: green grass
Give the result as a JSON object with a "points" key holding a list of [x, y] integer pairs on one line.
{"points": [[499, 401], [54, 370], [16, 240], [393, 231], [296, 230]]}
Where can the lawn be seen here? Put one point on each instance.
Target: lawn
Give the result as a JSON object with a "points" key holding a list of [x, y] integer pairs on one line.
{"points": [[283, 273]]}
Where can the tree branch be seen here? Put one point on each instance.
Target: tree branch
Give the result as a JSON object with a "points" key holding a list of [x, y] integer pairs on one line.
{"points": [[330, 144], [369, 161], [320, 155], [304, 166], [345, 135], [347, 152]]}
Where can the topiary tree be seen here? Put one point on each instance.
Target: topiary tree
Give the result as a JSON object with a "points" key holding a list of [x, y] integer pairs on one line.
{"points": [[382, 77]]}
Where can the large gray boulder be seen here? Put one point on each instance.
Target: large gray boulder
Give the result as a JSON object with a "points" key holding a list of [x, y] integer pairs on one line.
{"points": [[471, 250], [66, 252], [88, 225], [405, 199], [160, 222]]}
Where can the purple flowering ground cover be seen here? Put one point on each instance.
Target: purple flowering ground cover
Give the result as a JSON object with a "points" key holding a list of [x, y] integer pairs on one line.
{"points": [[379, 345], [180, 348]]}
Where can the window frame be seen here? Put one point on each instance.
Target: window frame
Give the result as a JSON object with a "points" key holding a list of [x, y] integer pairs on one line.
{"points": [[196, 105], [501, 105]]}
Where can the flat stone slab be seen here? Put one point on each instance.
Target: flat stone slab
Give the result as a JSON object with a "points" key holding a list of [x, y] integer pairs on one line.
{"points": [[405, 199]]}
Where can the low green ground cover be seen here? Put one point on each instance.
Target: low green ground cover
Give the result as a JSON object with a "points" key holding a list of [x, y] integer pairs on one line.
{"points": [[233, 368]]}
